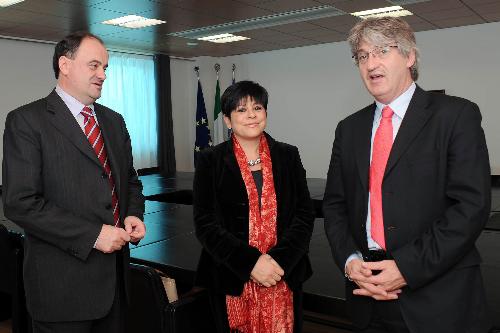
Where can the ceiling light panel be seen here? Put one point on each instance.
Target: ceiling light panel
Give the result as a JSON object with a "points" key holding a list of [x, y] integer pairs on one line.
{"points": [[133, 22], [223, 38], [6, 3], [394, 11]]}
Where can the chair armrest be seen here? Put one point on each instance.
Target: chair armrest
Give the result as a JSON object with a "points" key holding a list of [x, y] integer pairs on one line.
{"points": [[191, 313]]}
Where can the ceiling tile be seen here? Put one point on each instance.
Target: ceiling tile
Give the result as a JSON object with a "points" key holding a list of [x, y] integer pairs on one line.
{"points": [[330, 37], [197, 4], [459, 21], [51, 7], [336, 21], [315, 32], [447, 14], [487, 8], [175, 50], [244, 48], [230, 9], [413, 19], [184, 17], [298, 42], [418, 24], [253, 2], [254, 43], [267, 35], [6, 25], [492, 17], [294, 27], [434, 5], [127, 7], [150, 36], [236, 12], [33, 18], [359, 5], [85, 2], [280, 6], [423, 26], [332, 2], [479, 2], [102, 30], [36, 32]]}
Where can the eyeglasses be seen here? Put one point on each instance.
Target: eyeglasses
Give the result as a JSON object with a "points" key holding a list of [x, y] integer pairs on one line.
{"points": [[380, 52]]}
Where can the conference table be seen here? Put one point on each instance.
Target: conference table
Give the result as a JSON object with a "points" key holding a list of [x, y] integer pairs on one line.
{"points": [[171, 245]]}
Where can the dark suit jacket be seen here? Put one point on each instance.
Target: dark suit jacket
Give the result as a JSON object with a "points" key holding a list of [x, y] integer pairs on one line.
{"points": [[55, 188], [436, 200], [221, 218]]}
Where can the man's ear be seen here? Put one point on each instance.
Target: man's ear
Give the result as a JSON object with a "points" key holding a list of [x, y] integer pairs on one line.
{"points": [[64, 65], [411, 59]]}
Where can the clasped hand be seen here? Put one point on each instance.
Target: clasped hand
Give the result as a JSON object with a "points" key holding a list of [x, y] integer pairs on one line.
{"points": [[112, 238], [384, 286], [266, 271]]}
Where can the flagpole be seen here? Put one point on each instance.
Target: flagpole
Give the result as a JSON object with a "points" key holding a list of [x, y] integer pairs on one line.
{"points": [[218, 121], [217, 70], [227, 133]]}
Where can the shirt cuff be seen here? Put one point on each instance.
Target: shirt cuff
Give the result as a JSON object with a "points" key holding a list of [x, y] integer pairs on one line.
{"points": [[353, 256]]}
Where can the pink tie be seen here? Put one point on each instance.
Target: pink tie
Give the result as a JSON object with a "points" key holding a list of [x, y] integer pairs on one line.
{"points": [[382, 145], [93, 133]]}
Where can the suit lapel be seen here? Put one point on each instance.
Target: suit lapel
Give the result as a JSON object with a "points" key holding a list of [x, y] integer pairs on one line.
{"points": [[277, 171], [230, 159], [64, 121], [363, 143], [416, 117], [112, 147]]}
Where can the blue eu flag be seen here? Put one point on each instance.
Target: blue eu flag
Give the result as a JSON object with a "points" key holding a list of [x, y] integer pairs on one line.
{"points": [[203, 139]]}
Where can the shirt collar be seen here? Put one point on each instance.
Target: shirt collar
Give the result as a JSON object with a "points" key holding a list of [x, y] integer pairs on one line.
{"points": [[400, 104], [74, 105]]}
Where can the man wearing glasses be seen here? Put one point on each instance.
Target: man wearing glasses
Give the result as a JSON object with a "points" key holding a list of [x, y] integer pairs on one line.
{"points": [[407, 195]]}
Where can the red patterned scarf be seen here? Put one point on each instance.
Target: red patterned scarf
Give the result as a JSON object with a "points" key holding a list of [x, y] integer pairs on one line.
{"points": [[260, 309]]}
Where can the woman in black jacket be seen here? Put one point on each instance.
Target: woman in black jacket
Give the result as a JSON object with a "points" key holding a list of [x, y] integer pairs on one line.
{"points": [[254, 218]]}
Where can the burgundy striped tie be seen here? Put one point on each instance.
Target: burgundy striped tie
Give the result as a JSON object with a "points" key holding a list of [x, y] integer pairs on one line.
{"points": [[94, 135]]}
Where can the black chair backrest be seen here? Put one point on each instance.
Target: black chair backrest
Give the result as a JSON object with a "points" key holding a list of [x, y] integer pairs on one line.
{"points": [[6, 260], [11, 278], [147, 301]]}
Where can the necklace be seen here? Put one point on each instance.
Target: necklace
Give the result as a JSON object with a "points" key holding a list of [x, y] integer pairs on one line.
{"points": [[253, 162]]}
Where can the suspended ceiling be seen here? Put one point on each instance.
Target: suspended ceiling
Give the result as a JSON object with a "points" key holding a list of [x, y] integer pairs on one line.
{"points": [[50, 20]]}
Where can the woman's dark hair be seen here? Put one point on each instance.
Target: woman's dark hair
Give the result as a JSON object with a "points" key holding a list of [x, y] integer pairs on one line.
{"points": [[69, 46], [235, 93]]}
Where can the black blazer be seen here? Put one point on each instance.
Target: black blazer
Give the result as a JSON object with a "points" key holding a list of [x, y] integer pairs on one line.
{"points": [[221, 218], [54, 187], [436, 200]]}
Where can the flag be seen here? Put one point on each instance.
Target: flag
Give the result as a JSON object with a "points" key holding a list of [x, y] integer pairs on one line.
{"points": [[218, 121], [229, 131], [203, 139]]}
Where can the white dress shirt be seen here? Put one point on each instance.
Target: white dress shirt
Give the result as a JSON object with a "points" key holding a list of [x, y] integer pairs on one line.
{"points": [[399, 106]]}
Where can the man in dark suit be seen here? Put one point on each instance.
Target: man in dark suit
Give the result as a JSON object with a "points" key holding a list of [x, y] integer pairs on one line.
{"points": [[69, 182], [407, 195]]}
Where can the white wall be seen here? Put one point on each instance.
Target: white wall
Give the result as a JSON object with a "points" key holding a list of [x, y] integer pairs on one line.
{"points": [[25, 75], [312, 88]]}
